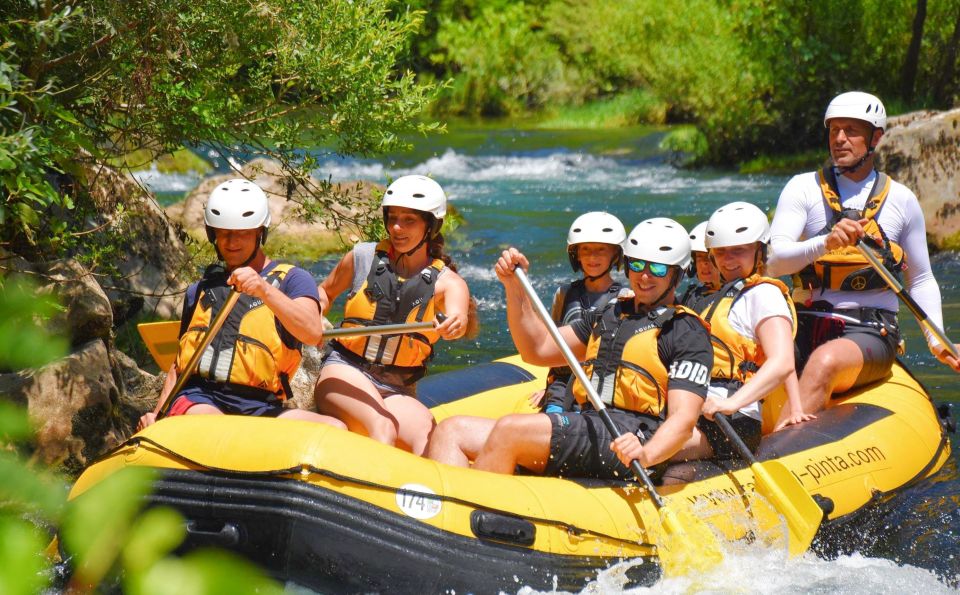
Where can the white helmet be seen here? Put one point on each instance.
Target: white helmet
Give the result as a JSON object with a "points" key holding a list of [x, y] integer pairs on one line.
{"points": [[660, 240], [419, 193], [736, 224], [697, 236], [236, 204], [859, 106], [595, 227]]}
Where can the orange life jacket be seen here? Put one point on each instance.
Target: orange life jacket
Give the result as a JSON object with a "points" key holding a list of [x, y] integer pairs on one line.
{"points": [[622, 360], [736, 357], [248, 350], [385, 298]]}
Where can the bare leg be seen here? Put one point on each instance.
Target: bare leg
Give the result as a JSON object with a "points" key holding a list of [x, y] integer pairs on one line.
{"points": [[695, 448], [414, 420], [202, 409], [833, 367], [458, 439], [518, 439], [305, 415], [345, 393]]}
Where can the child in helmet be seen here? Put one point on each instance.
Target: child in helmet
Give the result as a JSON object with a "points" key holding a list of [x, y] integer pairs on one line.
{"points": [[594, 247], [246, 368], [370, 382], [707, 277], [752, 323]]}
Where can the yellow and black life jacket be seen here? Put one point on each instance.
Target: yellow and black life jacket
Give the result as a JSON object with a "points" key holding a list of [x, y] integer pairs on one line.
{"points": [[623, 362], [385, 298], [846, 269], [249, 350], [735, 357]]}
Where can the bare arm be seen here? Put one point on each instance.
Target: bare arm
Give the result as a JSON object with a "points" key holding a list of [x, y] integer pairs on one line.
{"points": [[775, 337], [453, 293], [530, 336], [300, 316], [684, 411], [338, 281], [169, 382]]}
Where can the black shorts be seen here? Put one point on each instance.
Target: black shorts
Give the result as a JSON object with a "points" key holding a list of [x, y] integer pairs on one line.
{"points": [[745, 426], [877, 336], [580, 444]]}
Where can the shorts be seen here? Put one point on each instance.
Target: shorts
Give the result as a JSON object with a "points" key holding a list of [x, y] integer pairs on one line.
{"points": [[229, 404], [386, 382], [745, 426], [580, 444], [877, 336]]}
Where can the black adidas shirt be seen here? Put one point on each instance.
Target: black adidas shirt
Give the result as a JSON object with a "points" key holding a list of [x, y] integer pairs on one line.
{"points": [[683, 347]]}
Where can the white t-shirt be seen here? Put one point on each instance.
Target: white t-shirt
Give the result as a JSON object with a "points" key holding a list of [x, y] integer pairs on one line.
{"points": [[802, 213], [753, 307]]}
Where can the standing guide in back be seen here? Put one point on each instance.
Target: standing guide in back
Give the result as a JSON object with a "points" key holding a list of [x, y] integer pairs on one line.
{"points": [[594, 247], [751, 320], [647, 358], [848, 334], [370, 382], [705, 279], [247, 366]]}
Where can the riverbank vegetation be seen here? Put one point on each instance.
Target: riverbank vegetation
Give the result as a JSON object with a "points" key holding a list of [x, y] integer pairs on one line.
{"points": [[752, 76]]}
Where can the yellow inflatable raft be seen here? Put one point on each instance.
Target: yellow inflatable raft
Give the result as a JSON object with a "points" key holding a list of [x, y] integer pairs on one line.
{"points": [[336, 511]]}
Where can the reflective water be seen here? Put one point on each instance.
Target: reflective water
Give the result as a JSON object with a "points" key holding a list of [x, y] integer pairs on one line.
{"points": [[525, 188]]}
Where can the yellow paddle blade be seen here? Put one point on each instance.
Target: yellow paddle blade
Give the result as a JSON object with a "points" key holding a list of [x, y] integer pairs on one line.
{"points": [[687, 544], [162, 340], [783, 490]]}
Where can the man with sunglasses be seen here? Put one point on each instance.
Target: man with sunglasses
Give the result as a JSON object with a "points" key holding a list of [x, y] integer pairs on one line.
{"points": [[647, 358]]}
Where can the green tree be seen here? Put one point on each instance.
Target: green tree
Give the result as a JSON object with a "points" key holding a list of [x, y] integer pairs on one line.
{"points": [[85, 81]]}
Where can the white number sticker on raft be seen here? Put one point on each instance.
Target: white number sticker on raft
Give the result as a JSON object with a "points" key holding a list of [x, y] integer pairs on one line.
{"points": [[418, 505]]}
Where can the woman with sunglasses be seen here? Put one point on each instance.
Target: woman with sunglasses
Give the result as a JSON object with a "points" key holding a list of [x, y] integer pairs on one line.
{"points": [[647, 358], [752, 323]]}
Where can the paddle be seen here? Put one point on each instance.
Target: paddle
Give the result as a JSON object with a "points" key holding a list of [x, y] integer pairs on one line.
{"points": [[781, 488], [697, 549], [905, 297], [382, 329], [185, 374]]}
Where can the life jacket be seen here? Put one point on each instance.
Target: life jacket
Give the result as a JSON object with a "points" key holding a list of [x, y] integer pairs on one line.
{"points": [[845, 269], [622, 361], [697, 296], [737, 358], [249, 350], [572, 301], [385, 298], [571, 304]]}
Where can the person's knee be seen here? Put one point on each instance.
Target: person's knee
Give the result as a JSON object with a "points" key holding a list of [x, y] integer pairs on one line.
{"points": [[383, 429]]}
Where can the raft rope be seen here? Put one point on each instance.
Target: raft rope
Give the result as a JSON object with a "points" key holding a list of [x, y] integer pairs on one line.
{"points": [[299, 469]]}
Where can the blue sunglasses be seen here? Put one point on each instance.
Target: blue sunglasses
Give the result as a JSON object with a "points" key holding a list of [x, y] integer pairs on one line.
{"points": [[656, 269]]}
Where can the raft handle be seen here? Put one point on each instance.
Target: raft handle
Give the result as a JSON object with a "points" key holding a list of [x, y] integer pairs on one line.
{"points": [[825, 504], [504, 528], [222, 534]]}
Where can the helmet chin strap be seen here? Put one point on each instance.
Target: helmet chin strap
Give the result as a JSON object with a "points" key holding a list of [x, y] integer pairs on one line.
{"points": [[673, 285]]}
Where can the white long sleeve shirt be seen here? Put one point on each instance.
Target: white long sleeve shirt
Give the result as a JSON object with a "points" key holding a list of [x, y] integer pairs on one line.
{"points": [[802, 213]]}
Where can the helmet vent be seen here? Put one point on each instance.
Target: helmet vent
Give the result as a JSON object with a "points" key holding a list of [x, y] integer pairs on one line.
{"points": [[418, 195], [607, 229], [389, 191], [741, 229], [578, 229], [215, 212], [244, 190], [634, 242], [247, 214], [665, 248]]}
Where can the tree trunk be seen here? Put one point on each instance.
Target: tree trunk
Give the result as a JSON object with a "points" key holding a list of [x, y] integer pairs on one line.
{"points": [[946, 83], [909, 74]]}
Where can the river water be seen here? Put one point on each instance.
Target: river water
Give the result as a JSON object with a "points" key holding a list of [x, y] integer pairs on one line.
{"points": [[524, 188]]}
